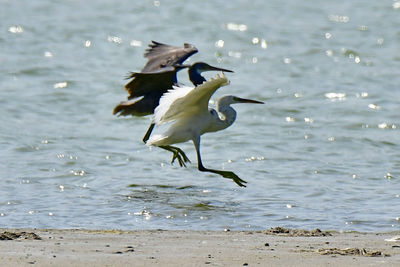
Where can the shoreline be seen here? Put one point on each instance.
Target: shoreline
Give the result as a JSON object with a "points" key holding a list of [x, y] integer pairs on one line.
{"points": [[274, 247]]}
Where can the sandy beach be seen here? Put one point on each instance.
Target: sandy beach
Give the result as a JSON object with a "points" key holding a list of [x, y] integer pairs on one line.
{"points": [[273, 247]]}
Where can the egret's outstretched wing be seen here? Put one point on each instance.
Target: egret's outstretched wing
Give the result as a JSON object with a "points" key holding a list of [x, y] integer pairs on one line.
{"points": [[182, 101], [161, 55], [168, 103]]}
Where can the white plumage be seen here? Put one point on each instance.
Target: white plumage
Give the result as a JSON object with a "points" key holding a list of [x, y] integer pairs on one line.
{"points": [[187, 109], [185, 101], [167, 100]]}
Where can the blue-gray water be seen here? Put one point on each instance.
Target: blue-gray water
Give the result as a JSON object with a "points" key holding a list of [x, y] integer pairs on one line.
{"points": [[324, 151]]}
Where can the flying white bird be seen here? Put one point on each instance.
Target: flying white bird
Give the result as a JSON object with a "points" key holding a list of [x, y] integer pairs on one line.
{"points": [[187, 109]]}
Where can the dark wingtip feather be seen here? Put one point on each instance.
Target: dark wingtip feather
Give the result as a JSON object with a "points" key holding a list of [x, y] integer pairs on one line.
{"points": [[130, 75], [122, 110], [116, 110], [154, 48]]}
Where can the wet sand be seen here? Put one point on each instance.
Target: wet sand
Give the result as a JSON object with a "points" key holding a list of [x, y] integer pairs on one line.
{"points": [[273, 247]]}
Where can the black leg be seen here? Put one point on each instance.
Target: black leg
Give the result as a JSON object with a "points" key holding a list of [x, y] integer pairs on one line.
{"points": [[177, 154], [148, 133], [225, 174]]}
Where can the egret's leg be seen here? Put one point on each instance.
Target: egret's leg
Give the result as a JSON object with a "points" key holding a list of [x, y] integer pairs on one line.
{"points": [[225, 174], [177, 154], [148, 133]]}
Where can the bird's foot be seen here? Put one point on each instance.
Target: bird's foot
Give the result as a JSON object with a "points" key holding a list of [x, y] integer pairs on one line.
{"points": [[225, 174], [234, 177], [181, 156], [177, 154]]}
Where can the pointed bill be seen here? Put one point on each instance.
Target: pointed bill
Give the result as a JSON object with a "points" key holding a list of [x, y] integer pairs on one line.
{"points": [[244, 100]]}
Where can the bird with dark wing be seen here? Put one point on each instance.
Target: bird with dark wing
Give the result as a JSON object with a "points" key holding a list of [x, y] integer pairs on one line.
{"points": [[156, 77], [159, 75]]}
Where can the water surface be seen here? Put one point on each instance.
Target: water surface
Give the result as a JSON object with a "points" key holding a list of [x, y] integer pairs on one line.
{"points": [[322, 152]]}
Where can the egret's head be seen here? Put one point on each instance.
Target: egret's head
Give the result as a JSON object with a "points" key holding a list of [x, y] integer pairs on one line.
{"points": [[231, 99]]}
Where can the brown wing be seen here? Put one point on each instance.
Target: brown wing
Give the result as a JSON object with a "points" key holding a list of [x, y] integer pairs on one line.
{"points": [[150, 82], [161, 55], [157, 76], [141, 106]]}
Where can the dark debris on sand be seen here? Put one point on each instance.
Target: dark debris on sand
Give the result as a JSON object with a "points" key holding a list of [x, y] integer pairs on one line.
{"points": [[352, 251], [19, 235], [295, 232]]}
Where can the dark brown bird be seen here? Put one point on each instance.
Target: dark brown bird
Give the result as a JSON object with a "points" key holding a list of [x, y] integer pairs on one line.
{"points": [[158, 76]]}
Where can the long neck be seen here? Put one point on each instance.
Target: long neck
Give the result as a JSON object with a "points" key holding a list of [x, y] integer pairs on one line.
{"points": [[195, 77], [226, 116]]}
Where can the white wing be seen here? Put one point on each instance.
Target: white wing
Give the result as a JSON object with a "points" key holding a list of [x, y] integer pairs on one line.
{"points": [[183, 101], [168, 99]]}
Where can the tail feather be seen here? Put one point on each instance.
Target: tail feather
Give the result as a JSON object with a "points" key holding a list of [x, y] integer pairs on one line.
{"points": [[141, 106], [130, 107]]}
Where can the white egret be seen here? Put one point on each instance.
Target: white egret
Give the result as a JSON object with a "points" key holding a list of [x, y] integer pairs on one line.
{"points": [[187, 109]]}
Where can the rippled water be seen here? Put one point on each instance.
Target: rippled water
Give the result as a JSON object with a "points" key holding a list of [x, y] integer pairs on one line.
{"points": [[322, 152]]}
